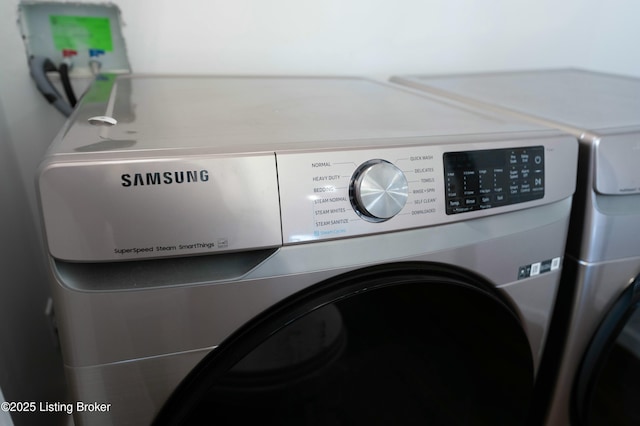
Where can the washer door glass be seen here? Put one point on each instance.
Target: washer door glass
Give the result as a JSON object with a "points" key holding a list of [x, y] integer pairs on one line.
{"points": [[607, 386], [409, 344]]}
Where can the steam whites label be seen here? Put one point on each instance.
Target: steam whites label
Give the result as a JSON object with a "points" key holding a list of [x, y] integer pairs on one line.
{"points": [[330, 211]]}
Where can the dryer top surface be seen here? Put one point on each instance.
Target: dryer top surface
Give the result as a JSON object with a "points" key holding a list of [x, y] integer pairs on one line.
{"points": [[582, 99]]}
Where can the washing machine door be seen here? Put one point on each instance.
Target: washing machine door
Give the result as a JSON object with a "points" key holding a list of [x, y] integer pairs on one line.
{"points": [[408, 344], [607, 385]]}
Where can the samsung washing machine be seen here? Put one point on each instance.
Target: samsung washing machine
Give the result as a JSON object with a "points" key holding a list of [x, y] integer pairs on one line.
{"points": [[599, 373], [318, 251]]}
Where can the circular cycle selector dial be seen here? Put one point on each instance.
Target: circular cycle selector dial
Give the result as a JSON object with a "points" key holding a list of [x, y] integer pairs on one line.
{"points": [[378, 190]]}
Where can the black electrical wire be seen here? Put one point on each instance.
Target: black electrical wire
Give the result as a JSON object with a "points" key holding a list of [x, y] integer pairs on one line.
{"points": [[63, 69], [39, 66]]}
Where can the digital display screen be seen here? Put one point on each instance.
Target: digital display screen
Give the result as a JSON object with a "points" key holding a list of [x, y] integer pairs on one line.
{"points": [[485, 179]]}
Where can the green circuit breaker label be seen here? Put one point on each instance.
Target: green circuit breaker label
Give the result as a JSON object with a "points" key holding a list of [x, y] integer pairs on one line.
{"points": [[81, 32]]}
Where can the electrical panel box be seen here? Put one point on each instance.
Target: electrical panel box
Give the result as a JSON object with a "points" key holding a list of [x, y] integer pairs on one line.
{"points": [[78, 33]]}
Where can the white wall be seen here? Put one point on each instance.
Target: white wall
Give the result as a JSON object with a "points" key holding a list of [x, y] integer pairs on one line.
{"points": [[30, 120], [354, 37], [380, 36], [30, 363], [337, 37]]}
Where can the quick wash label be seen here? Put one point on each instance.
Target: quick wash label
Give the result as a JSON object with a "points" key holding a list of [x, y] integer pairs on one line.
{"points": [[538, 268]]}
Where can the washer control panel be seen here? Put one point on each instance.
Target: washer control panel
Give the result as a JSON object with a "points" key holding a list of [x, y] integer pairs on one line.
{"points": [[485, 179], [338, 194]]}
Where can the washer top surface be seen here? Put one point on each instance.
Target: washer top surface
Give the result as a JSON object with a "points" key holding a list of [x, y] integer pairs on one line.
{"points": [[219, 164], [582, 99], [242, 114]]}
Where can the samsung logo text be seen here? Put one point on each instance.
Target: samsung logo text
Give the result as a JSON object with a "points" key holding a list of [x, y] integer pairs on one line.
{"points": [[164, 178]]}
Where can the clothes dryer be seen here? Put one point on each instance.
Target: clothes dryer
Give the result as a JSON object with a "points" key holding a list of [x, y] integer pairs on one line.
{"points": [[301, 251], [597, 322]]}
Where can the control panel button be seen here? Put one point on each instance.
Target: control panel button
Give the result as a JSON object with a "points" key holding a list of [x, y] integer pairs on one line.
{"points": [[378, 190], [491, 178]]}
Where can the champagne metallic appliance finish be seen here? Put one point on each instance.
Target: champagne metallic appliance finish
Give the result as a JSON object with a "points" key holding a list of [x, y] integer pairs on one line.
{"points": [[214, 200], [603, 112]]}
